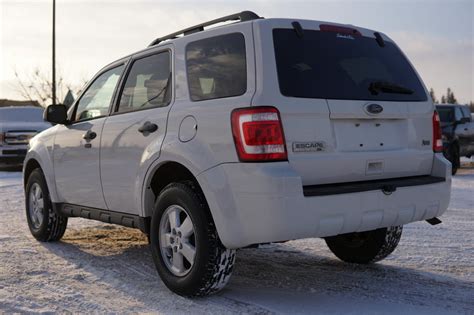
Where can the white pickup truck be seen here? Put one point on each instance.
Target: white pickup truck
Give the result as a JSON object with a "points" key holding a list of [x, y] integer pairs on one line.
{"points": [[18, 124]]}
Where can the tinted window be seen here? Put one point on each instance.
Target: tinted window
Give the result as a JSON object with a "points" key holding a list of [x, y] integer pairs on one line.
{"points": [[217, 67], [445, 114], [148, 84], [458, 115], [466, 112], [334, 66], [96, 99]]}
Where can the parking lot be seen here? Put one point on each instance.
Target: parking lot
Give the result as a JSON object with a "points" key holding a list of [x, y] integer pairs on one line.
{"points": [[106, 268]]}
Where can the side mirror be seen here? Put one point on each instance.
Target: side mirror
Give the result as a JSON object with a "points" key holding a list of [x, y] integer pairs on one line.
{"points": [[464, 120], [56, 114]]}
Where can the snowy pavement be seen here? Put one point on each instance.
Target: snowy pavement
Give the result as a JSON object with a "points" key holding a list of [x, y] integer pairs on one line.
{"points": [[107, 268]]}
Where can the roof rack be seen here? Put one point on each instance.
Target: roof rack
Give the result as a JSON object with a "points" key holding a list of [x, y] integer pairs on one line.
{"points": [[242, 16]]}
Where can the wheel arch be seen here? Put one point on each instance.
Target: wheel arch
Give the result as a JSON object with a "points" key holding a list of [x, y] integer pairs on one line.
{"points": [[159, 177], [28, 168], [32, 162]]}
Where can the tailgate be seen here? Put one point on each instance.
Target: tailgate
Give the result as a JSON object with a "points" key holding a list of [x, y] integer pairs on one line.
{"points": [[351, 104], [337, 141]]}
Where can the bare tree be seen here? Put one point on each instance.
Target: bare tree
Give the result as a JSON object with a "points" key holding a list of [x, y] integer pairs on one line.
{"points": [[38, 87]]}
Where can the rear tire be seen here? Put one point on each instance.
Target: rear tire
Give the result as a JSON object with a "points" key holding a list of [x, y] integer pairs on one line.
{"points": [[208, 269], [365, 247], [44, 223]]}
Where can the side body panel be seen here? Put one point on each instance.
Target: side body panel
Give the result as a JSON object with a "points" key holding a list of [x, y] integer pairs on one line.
{"points": [[212, 143]]}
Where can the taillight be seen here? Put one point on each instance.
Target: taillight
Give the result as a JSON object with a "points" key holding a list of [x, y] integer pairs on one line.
{"points": [[437, 135], [339, 29], [258, 134], [2, 137]]}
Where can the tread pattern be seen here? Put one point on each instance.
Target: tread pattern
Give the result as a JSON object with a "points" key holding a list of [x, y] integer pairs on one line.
{"points": [[377, 245], [56, 225], [392, 237], [221, 264]]}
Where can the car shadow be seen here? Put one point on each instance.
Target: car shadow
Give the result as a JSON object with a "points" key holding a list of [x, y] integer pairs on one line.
{"points": [[120, 257]]}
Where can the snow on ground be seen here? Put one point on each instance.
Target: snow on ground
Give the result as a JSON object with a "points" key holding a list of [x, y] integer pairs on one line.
{"points": [[107, 268]]}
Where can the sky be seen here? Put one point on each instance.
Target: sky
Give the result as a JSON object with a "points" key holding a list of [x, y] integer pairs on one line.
{"points": [[437, 36]]}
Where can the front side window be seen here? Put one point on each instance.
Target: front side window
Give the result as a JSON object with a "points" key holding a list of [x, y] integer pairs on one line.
{"points": [[148, 84], [217, 67], [96, 99], [330, 65]]}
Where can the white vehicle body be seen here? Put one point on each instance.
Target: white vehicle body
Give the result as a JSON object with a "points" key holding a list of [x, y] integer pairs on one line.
{"points": [[115, 174]]}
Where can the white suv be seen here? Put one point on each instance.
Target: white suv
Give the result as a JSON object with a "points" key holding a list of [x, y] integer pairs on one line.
{"points": [[263, 130]]}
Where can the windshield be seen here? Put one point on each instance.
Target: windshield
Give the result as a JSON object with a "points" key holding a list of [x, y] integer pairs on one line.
{"points": [[21, 114], [334, 66]]}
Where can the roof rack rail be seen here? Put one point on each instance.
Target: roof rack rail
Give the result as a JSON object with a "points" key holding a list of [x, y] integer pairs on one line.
{"points": [[242, 16]]}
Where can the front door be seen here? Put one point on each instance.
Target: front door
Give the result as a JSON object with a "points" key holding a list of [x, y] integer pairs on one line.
{"points": [[133, 133], [77, 144]]}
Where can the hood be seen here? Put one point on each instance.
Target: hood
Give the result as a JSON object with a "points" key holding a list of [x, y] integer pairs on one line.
{"points": [[24, 125]]}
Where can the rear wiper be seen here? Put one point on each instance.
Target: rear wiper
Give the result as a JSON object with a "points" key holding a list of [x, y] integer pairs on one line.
{"points": [[387, 87]]}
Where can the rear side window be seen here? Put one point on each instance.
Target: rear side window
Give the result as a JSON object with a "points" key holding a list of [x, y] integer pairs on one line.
{"points": [[445, 114], [216, 67], [148, 84], [330, 65]]}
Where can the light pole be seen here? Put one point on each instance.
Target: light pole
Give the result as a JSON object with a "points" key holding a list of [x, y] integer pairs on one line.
{"points": [[54, 53]]}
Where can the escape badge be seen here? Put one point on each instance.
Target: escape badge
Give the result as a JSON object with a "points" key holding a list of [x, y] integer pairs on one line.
{"points": [[314, 146]]}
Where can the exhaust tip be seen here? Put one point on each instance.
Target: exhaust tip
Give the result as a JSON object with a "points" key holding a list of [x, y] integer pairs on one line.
{"points": [[434, 221]]}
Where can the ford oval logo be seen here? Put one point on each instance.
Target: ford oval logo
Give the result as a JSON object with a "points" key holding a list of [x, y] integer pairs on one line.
{"points": [[374, 108]]}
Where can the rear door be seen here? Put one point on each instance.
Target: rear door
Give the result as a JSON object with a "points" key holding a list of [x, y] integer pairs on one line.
{"points": [[352, 109], [134, 132]]}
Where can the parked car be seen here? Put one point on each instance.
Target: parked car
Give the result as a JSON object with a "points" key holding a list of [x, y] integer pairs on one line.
{"points": [[264, 130], [17, 126], [458, 132]]}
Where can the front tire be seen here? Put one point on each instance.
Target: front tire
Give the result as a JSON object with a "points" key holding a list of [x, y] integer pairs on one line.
{"points": [[186, 249], [365, 247], [44, 223]]}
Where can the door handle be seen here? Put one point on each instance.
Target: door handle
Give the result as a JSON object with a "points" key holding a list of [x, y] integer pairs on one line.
{"points": [[89, 135], [148, 127]]}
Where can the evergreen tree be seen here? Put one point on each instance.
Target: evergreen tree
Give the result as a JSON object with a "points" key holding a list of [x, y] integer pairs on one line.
{"points": [[443, 99], [450, 98], [433, 97]]}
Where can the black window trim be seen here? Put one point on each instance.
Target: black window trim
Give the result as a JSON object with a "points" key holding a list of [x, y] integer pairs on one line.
{"points": [[246, 67], [116, 100], [86, 88]]}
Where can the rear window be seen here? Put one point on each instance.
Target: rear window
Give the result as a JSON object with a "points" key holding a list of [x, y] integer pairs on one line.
{"points": [[338, 66], [217, 67]]}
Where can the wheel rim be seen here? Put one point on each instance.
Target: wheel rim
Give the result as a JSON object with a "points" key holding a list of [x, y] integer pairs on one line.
{"points": [[177, 240], [36, 206]]}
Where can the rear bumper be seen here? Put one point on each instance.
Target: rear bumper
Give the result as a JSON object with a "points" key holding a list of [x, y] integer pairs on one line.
{"points": [[259, 203]]}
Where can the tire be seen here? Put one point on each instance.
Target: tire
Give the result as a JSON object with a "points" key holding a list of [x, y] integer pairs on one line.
{"points": [[365, 247], [210, 268], [452, 155], [455, 159], [44, 223]]}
